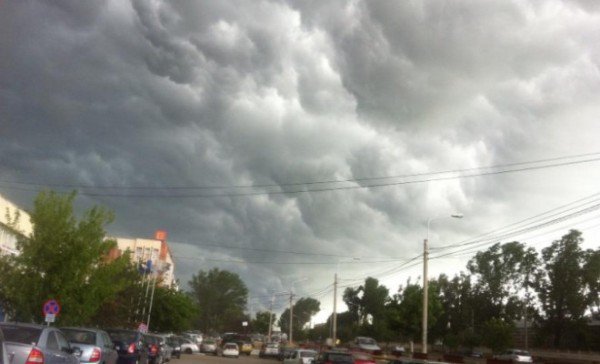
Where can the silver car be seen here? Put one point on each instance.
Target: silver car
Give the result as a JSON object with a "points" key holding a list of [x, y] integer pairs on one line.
{"points": [[95, 345], [36, 344]]}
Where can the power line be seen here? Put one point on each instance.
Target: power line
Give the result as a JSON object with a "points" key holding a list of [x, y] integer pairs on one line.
{"points": [[338, 188]]}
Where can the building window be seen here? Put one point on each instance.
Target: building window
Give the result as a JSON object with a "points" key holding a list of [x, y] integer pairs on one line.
{"points": [[138, 253]]}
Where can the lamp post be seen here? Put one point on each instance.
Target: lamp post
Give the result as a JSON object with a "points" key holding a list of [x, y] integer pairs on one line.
{"points": [[335, 283], [425, 278]]}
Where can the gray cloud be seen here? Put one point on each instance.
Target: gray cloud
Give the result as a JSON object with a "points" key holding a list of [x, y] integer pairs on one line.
{"points": [[113, 93]]}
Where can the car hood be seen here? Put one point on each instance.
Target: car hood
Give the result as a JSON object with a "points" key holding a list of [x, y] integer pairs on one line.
{"points": [[369, 347]]}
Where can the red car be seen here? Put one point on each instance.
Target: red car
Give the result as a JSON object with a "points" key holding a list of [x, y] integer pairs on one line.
{"points": [[363, 358]]}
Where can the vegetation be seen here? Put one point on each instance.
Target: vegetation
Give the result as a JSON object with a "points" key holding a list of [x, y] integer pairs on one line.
{"points": [[304, 309], [66, 259], [221, 297]]}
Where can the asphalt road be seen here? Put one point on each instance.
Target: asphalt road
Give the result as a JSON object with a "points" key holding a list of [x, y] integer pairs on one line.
{"points": [[201, 359]]}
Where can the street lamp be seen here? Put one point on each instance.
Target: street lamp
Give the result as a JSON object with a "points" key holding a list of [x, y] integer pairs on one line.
{"points": [[335, 283], [425, 277]]}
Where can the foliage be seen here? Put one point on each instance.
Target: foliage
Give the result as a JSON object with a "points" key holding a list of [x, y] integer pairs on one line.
{"points": [[64, 259], [304, 309], [261, 321], [221, 297], [564, 286], [497, 334], [172, 311]]}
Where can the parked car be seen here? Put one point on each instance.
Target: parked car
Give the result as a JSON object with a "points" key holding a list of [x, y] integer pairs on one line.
{"points": [[363, 358], [30, 343], [515, 355], [246, 347], [209, 346], [188, 346], [166, 350], [3, 358], [155, 355], [334, 357], [95, 345], [231, 350], [366, 344], [301, 356], [175, 343], [129, 345], [285, 353], [270, 350]]}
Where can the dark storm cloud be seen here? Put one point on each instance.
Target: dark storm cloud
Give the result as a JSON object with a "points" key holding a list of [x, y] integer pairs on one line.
{"points": [[187, 93]]}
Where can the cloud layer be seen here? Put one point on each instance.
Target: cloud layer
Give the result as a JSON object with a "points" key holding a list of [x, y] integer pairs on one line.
{"points": [[179, 94]]}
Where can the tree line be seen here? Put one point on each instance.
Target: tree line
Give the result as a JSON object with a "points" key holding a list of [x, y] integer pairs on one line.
{"points": [[556, 292]]}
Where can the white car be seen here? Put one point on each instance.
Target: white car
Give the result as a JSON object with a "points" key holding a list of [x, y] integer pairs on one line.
{"points": [[189, 347], [301, 356], [231, 350], [515, 355]]}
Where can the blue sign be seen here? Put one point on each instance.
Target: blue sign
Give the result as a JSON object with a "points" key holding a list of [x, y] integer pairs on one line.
{"points": [[51, 307]]}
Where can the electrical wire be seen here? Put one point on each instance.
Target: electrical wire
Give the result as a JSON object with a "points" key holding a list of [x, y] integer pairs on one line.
{"points": [[338, 188]]}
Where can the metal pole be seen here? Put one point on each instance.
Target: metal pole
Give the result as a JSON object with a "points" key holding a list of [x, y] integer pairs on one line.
{"points": [[425, 294], [271, 316], [291, 315], [335, 280], [151, 301]]}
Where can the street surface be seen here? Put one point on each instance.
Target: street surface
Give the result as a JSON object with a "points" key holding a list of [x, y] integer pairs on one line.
{"points": [[201, 359]]}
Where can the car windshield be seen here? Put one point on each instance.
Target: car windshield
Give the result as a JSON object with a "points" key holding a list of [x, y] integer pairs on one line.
{"points": [[230, 346], [20, 334], [362, 356], [521, 352], [367, 341], [122, 335], [80, 336]]}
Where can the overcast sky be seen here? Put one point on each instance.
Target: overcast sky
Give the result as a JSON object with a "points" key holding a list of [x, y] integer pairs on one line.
{"points": [[147, 106]]}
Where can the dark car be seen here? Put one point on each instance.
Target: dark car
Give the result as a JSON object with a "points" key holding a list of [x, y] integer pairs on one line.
{"points": [[153, 348], [129, 345], [334, 357], [95, 345]]}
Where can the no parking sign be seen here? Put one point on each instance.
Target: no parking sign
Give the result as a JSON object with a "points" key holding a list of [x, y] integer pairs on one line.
{"points": [[51, 309]]}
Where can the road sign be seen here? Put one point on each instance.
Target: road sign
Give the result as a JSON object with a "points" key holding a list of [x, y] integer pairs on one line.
{"points": [[50, 317], [51, 307], [143, 328]]}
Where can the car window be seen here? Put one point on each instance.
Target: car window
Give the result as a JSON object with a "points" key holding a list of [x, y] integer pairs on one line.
{"points": [[107, 341], [52, 343], [80, 336], [123, 335], [23, 335], [63, 343], [308, 354]]}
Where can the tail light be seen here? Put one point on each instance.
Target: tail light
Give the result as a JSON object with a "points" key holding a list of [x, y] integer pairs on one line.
{"points": [[95, 357], [153, 349], [131, 348], [35, 357]]}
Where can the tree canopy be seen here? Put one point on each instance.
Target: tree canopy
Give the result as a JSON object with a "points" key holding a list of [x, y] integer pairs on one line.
{"points": [[221, 297]]}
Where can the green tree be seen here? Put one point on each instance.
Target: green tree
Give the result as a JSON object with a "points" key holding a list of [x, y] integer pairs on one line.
{"points": [[64, 259], [172, 311], [221, 297], [562, 286], [497, 334], [406, 310], [261, 321], [304, 309]]}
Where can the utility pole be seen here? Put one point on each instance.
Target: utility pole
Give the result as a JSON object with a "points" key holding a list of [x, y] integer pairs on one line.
{"points": [[334, 318], [152, 297], [425, 294], [271, 316], [291, 315]]}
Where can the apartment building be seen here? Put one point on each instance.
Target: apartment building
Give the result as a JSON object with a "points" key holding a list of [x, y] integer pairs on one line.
{"points": [[14, 222], [154, 250]]}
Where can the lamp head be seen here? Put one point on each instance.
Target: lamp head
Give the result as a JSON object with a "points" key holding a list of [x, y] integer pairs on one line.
{"points": [[457, 215]]}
